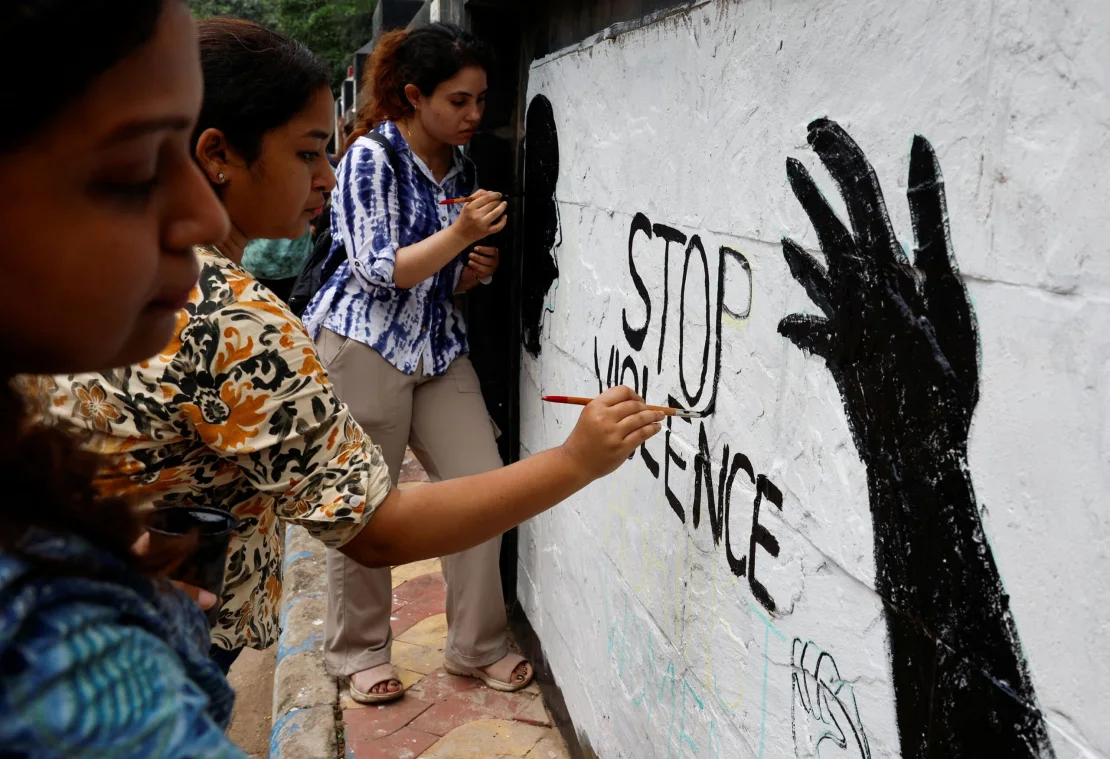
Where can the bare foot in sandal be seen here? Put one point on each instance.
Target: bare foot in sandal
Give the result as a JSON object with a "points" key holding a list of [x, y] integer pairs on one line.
{"points": [[509, 674], [520, 676], [376, 685]]}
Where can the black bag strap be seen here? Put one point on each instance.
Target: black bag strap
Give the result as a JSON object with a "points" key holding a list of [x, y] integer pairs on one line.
{"points": [[331, 265], [390, 153], [323, 262]]}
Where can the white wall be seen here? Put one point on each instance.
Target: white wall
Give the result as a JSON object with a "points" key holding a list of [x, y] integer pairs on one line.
{"points": [[660, 650]]}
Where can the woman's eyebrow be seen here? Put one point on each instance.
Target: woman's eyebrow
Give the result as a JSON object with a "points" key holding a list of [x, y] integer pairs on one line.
{"points": [[142, 127]]}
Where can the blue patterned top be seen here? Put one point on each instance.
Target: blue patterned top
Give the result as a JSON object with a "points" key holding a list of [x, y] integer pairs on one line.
{"points": [[104, 663], [373, 216]]}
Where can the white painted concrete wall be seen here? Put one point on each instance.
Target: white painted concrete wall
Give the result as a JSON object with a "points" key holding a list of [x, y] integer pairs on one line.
{"points": [[659, 649]]}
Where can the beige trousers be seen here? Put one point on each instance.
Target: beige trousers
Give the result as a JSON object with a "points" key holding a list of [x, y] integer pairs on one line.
{"points": [[445, 422]]}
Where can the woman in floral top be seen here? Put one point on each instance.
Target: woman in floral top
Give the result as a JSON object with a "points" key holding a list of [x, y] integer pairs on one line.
{"points": [[236, 412]]}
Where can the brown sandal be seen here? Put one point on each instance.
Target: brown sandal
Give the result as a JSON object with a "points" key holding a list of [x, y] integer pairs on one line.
{"points": [[510, 660], [385, 673]]}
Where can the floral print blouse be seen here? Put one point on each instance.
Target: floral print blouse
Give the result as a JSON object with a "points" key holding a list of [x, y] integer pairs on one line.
{"points": [[235, 413]]}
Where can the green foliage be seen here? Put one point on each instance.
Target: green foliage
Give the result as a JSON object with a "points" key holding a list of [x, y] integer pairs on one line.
{"points": [[259, 11], [333, 29]]}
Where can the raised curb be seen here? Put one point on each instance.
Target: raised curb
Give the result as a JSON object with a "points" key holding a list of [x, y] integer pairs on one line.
{"points": [[304, 693]]}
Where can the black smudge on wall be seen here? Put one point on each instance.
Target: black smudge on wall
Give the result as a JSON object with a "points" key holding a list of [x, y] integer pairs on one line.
{"points": [[541, 218]]}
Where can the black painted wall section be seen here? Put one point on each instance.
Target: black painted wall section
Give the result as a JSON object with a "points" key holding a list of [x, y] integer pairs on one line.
{"points": [[541, 218], [565, 22], [492, 311]]}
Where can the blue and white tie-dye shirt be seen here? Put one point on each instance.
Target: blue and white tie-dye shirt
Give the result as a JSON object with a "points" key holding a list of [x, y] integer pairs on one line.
{"points": [[372, 217]]}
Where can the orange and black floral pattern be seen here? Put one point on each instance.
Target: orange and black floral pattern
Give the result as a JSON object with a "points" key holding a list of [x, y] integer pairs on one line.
{"points": [[235, 413]]}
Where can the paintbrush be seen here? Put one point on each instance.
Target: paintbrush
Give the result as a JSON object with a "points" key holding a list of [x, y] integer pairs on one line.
{"points": [[468, 198], [575, 401]]}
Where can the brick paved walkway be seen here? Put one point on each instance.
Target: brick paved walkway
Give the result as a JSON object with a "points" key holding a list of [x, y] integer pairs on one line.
{"points": [[441, 716]]}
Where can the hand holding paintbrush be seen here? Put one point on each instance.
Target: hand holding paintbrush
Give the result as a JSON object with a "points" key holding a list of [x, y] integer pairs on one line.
{"points": [[482, 216], [471, 198]]}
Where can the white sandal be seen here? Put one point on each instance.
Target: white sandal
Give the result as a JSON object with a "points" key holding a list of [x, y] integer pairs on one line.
{"points": [[387, 672], [510, 660]]}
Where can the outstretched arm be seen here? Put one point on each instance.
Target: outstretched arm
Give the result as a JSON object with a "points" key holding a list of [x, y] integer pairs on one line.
{"points": [[448, 517]]}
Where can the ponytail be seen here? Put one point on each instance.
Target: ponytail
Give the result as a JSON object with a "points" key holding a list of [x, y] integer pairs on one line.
{"points": [[424, 57], [383, 90]]}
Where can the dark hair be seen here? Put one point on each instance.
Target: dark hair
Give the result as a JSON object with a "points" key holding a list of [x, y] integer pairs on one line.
{"points": [[48, 479], [36, 36], [255, 80], [424, 57]]}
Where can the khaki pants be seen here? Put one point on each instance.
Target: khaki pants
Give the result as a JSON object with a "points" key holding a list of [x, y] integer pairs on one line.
{"points": [[444, 421]]}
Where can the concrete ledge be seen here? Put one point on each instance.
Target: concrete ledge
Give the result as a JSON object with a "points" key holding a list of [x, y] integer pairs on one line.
{"points": [[304, 694], [305, 734]]}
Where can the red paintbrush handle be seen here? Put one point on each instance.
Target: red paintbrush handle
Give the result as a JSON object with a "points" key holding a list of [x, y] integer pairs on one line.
{"points": [[573, 400], [576, 401]]}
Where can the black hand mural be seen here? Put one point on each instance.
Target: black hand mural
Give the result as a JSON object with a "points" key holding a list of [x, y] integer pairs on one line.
{"points": [[541, 218], [901, 343]]}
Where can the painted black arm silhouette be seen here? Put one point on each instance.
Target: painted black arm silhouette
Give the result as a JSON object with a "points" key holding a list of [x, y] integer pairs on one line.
{"points": [[901, 342]]}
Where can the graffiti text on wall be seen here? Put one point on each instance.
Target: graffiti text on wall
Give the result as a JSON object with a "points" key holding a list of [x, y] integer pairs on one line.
{"points": [[648, 369]]}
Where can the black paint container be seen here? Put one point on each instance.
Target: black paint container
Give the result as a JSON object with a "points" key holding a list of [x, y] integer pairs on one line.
{"points": [[213, 529]]}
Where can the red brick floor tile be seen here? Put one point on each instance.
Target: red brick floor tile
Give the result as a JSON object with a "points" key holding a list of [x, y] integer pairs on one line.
{"points": [[469, 706], [411, 471], [406, 743], [438, 685], [417, 611], [420, 588], [381, 720]]}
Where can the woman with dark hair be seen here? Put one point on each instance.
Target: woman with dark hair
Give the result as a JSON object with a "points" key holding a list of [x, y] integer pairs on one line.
{"points": [[100, 203], [236, 411], [396, 347]]}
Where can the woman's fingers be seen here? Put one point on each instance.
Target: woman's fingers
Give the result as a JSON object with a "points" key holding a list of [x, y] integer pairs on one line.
{"points": [[639, 436], [617, 394], [483, 260], [633, 422], [141, 546], [482, 200], [203, 598], [497, 212]]}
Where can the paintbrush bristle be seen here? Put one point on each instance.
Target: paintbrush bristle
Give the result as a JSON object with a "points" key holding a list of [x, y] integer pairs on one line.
{"points": [[690, 414]]}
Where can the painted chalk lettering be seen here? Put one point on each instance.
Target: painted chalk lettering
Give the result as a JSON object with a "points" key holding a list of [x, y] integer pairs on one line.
{"points": [[622, 366]]}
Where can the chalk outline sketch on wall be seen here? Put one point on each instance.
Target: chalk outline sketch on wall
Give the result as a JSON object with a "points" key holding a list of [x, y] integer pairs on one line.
{"points": [[901, 343], [542, 228], [830, 702]]}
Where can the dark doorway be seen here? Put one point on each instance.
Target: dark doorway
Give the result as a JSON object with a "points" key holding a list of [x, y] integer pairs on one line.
{"points": [[493, 311]]}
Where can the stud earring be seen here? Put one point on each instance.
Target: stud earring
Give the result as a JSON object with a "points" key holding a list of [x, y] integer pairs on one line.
{"points": [[221, 177]]}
